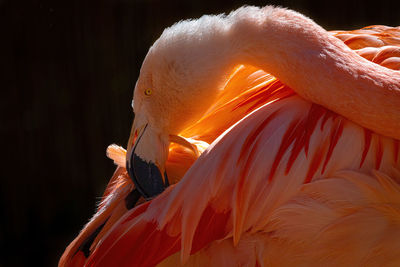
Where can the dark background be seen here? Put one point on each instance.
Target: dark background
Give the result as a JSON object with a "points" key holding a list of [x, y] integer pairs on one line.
{"points": [[68, 72]]}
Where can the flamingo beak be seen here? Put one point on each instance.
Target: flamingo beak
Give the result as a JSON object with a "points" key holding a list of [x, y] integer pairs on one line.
{"points": [[145, 161]]}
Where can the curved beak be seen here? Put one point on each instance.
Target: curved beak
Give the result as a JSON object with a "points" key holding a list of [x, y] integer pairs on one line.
{"points": [[145, 160], [146, 155]]}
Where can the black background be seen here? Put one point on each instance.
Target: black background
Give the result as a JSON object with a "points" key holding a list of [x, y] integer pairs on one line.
{"points": [[68, 71]]}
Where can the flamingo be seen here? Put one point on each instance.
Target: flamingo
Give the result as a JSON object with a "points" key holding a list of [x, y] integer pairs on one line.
{"points": [[259, 139]]}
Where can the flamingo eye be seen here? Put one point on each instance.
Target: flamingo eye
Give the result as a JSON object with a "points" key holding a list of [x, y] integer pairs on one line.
{"points": [[147, 92]]}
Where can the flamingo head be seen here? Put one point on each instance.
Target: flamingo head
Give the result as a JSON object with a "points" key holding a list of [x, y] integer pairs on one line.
{"points": [[178, 82]]}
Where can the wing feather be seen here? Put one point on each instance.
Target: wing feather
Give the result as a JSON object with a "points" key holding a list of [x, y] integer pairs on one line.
{"points": [[214, 201]]}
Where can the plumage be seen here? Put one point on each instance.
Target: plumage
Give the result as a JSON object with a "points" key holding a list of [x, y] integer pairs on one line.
{"points": [[282, 179]]}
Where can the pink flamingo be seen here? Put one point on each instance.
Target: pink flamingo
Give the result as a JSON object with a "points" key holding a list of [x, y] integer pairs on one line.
{"points": [[302, 167]]}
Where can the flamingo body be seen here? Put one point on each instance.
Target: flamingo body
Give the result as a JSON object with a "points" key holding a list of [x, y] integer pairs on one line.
{"points": [[281, 181]]}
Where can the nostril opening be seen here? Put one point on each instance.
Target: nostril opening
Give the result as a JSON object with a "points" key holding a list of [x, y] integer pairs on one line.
{"points": [[133, 110]]}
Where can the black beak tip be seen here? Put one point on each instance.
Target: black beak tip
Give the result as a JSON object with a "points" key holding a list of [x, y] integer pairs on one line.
{"points": [[146, 176]]}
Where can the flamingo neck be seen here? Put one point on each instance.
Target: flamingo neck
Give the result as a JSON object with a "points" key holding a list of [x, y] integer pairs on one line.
{"points": [[319, 67]]}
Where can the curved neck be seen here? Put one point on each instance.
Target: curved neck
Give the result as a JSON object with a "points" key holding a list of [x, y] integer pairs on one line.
{"points": [[318, 66]]}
